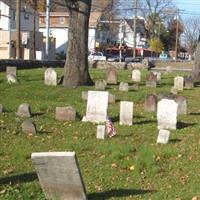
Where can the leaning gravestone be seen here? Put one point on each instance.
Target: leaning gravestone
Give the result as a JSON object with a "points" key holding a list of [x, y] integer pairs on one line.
{"points": [[112, 75], [65, 113], [126, 113], [196, 65], [150, 103], [97, 105], [188, 82], [101, 131], [11, 78], [163, 136], [11, 70], [136, 75], [59, 175], [167, 114], [179, 83], [123, 87], [182, 105], [100, 85], [50, 77], [28, 127], [24, 110], [151, 80], [1, 108]]}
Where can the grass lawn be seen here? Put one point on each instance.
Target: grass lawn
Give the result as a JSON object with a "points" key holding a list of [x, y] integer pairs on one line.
{"points": [[129, 166]]}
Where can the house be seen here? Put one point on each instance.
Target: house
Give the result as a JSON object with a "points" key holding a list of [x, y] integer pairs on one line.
{"points": [[8, 31]]}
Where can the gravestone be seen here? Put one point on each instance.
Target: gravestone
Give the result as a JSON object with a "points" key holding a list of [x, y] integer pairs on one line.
{"points": [[167, 114], [112, 75], [169, 69], [100, 85], [11, 79], [158, 75], [28, 127], [163, 136], [24, 110], [59, 175], [111, 98], [179, 83], [134, 87], [101, 131], [188, 82], [65, 113], [174, 90], [196, 65], [182, 105], [50, 77], [126, 113], [136, 75], [150, 103], [11, 71], [151, 80], [123, 87], [84, 95], [1, 108], [97, 105]]}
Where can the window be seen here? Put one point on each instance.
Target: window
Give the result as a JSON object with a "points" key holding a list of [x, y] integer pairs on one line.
{"points": [[62, 20], [26, 16]]}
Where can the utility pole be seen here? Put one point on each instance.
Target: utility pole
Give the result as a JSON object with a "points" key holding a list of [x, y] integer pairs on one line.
{"points": [[18, 29], [134, 28], [177, 27], [47, 28]]}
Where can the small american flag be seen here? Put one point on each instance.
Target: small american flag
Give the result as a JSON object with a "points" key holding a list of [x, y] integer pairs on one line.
{"points": [[110, 128]]}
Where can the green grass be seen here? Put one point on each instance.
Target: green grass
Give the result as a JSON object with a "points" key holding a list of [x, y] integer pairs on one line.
{"points": [[128, 166]]}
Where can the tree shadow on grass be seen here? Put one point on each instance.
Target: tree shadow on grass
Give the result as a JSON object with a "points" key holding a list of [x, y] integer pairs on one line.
{"points": [[144, 122], [117, 193], [37, 114], [182, 125], [172, 141], [21, 178], [193, 113], [116, 118]]}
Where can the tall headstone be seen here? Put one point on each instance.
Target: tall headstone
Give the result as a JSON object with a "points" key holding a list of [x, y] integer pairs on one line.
{"points": [[50, 77], [100, 85], [112, 75], [136, 75], [123, 87], [179, 83], [97, 105], [188, 82], [196, 65], [101, 131], [167, 114], [150, 103], [24, 110], [65, 113], [126, 113], [182, 105], [163, 136], [59, 175], [11, 70], [151, 80]]}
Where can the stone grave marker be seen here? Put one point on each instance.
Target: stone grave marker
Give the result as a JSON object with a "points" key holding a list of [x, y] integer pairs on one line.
{"points": [[151, 80], [158, 75], [24, 110], [65, 113], [150, 104], [136, 75], [84, 95], [28, 127], [59, 175], [1, 108], [11, 78], [112, 75], [174, 90], [188, 82], [196, 64], [163, 136], [123, 87], [179, 83], [182, 105], [126, 113], [167, 114], [50, 77], [97, 105], [100, 85], [169, 69], [134, 87], [111, 98], [101, 131], [11, 70]]}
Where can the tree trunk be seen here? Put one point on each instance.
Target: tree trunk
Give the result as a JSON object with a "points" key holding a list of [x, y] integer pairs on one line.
{"points": [[76, 66], [18, 29], [196, 65]]}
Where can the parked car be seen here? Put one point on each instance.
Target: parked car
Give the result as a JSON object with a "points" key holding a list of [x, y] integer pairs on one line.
{"points": [[114, 58], [96, 56]]}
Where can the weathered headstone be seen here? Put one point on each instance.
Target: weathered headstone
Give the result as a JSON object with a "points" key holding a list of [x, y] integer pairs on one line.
{"points": [[134, 87], [1, 108], [126, 113], [11, 70], [97, 105], [112, 75], [169, 69], [111, 98], [179, 83], [59, 175], [136, 75], [65, 113], [123, 87], [28, 127], [163, 136], [24, 110], [174, 90], [188, 82], [151, 80], [182, 105], [100, 85], [101, 131], [84, 95], [150, 103], [167, 114], [11, 79], [50, 77]]}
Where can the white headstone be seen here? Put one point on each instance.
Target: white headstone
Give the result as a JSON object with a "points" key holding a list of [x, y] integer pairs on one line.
{"points": [[126, 113], [11, 78], [101, 131], [163, 136], [59, 175], [11, 70], [97, 105], [167, 114], [123, 87], [50, 77], [179, 83], [136, 75]]}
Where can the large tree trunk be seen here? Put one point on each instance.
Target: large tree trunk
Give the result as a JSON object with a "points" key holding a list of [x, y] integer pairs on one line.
{"points": [[76, 65], [196, 65]]}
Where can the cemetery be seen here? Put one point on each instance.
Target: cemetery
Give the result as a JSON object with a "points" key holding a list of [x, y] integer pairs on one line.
{"points": [[134, 134]]}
